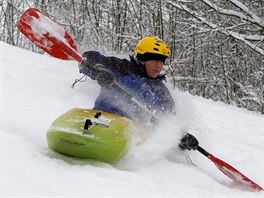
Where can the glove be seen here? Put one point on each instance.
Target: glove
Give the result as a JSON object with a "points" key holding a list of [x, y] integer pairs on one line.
{"points": [[189, 142], [90, 62], [104, 77], [96, 72], [88, 69]]}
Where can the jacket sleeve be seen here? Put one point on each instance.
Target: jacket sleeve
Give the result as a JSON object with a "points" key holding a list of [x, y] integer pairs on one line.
{"points": [[112, 64]]}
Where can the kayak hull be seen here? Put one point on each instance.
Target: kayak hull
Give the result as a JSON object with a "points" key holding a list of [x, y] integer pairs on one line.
{"points": [[91, 134]]}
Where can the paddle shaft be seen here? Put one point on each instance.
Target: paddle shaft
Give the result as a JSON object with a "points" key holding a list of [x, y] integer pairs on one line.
{"points": [[203, 151]]}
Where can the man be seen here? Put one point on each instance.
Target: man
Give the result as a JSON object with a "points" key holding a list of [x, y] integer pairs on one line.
{"points": [[128, 85]]}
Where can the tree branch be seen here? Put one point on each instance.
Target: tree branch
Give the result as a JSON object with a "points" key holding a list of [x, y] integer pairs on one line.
{"points": [[235, 35]]}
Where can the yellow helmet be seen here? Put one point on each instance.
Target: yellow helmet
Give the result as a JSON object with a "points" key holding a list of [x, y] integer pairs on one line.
{"points": [[150, 48]]}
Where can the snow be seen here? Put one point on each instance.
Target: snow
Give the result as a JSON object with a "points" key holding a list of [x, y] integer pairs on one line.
{"points": [[43, 25], [36, 89]]}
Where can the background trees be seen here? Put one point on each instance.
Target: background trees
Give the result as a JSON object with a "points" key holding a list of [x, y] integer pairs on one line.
{"points": [[217, 47]]}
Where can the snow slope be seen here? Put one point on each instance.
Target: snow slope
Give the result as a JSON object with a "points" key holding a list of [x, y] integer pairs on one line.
{"points": [[36, 89]]}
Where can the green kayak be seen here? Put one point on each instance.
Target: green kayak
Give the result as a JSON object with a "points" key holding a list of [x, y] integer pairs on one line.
{"points": [[92, 134]]}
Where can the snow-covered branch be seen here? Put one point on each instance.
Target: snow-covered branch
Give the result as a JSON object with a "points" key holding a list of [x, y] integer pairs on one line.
{"points": [[251, 16], [244, 38], [255, 18]]}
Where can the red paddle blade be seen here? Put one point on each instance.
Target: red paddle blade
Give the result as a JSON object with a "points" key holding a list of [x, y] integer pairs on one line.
{"points": [[48, 35], [233, 174]]}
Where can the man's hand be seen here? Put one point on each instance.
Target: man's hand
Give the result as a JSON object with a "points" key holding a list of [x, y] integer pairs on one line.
{"points": [[189, 142], [89, 69], [96, 72], [104, 77]]}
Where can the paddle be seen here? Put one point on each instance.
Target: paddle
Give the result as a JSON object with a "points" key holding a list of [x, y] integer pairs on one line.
{"points": [[48, 35], [230, 171], [54, 40]]}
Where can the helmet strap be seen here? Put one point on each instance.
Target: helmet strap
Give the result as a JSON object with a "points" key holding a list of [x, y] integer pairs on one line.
{"points": [[140, 62], [143, 67]]}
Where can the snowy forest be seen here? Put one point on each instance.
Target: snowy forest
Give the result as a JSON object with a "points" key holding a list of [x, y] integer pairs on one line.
{"points": [[217, 46]]}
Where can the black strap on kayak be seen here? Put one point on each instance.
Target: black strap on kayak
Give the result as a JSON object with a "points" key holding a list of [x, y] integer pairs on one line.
{"points": [[87, 124], [97, 115]]}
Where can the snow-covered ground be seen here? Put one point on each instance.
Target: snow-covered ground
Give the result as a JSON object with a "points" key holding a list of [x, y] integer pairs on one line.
{"points": [[36, 89]]}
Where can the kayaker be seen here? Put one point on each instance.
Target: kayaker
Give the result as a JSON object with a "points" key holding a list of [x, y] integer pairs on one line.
{"points": [[139, 77], [125, 82]]}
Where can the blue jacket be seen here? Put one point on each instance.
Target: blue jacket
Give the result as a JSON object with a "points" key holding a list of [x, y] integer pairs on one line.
{"points": [[132, 77]]}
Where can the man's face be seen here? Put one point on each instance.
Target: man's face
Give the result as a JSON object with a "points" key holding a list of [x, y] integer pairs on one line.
{"points": [[153, 68]]}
